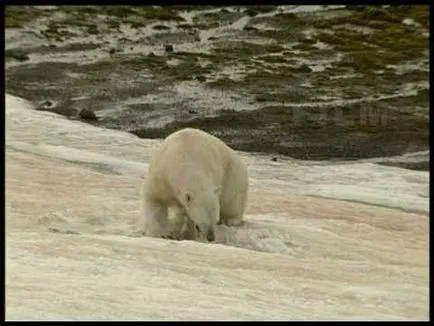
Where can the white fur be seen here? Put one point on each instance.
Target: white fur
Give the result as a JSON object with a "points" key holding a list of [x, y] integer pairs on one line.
{"points": [[202, 178]]}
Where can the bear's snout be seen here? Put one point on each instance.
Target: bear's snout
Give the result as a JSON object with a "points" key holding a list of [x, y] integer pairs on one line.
{"points": [[210, 236]]}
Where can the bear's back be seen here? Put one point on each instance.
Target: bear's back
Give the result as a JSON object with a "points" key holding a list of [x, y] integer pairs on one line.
{"points": [[189, 154], [192, 145]]}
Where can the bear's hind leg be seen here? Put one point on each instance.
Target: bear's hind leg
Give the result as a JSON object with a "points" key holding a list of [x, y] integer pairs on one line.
{"points": [[233, 216], [156, 220], [236, 221], [235, 206]]}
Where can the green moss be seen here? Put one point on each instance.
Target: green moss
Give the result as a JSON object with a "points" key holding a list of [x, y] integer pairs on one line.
{"points": [[124, 12], [273, 59], [56, 29], [206, 25], [255, 10], [287, 15], [228, 118], [378, 17], [86, 10], [18, 16], [247, 50], [420, 14], [187, 70], [188, 8], [182, 54], [308, 40], [273, 48], [216, 18], [419, 99], [136, 16], [163, 13], [377, 13], [223, 83], [119, 11], [17, 55], [158, 13], [281, 96], [79, 21], [146, 61], [261, 81], [112, 23], [395, 14], [304, 47], [93, 29], [137, 24], [393, 43], [285, 35]]}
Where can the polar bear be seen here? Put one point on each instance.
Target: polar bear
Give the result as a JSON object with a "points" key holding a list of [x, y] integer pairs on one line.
{"points": [[202, 178]]}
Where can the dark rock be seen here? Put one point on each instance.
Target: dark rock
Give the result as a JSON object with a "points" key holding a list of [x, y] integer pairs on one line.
{"points": [[201, 78], [87, 114], [124, 40], [47, 104], [261, 99], [303, 68], [212, 38], [52, 46], [161, 27], [168, 48], [249, 28], [274, 159], [112, 51], [192, 111], [151, 54]]}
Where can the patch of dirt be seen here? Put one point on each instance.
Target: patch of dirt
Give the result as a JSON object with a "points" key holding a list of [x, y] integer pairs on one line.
{"points": [[312, 84]]}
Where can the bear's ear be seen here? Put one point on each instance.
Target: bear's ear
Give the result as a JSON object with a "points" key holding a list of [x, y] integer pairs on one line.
{"points": [[188, 197]]}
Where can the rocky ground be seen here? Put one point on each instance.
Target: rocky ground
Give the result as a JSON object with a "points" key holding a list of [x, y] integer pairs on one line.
{"points": [[311, 82]]}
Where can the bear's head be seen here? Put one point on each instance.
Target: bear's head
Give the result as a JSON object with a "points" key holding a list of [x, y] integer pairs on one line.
{"points": [[204, 210]]}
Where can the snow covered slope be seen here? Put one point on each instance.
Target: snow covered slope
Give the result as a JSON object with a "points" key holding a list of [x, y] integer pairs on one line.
{"points": [[72, 253]]}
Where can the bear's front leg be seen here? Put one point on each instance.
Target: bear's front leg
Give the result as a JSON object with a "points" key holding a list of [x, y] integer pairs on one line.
{"points": [[156, 223]]}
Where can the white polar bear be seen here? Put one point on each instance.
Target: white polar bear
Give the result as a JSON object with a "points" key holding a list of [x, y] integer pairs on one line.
{"points": [[198, 175]]}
